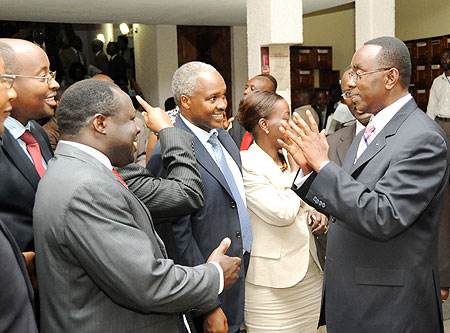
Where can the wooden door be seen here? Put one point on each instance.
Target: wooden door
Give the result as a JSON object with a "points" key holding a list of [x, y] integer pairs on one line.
{"points": [[208, 44]]}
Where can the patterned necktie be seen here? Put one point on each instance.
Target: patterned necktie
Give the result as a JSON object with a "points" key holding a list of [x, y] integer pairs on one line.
{"points": [[246, 229], [120, 178], [34, 151], [368, 134]]}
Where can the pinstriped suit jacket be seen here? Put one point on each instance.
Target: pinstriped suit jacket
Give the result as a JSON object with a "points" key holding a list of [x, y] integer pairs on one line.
{"points": [[182, 191], [101, 266]]}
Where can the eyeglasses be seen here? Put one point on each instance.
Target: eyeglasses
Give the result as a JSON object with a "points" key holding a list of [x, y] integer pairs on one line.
{"points": [[347, 94], [357, 75], [7, 80], [51, 76]]}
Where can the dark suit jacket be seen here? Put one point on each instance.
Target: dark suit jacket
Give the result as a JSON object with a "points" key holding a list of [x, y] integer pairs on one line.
{"points": [[117, 67], [339, 143], [381, 267], [16, 294], [19, 184], [237, 132], [198, 234], [101, 62], [101, 266]]}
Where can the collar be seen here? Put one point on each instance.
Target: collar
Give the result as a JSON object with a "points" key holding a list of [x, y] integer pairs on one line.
{"points": [[201, 134], [98, 52], [385, 115], [91, 151], [15, 127], [113, 56], [359, 127]]}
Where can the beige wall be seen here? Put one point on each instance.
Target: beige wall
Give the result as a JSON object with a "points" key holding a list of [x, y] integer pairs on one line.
{"points": [[238, 63], [335, 29], [416, 19]]}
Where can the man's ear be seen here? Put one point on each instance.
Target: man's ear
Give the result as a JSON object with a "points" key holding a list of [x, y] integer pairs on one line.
{"points": [[185, 102], [392, 78], [99, 123]]}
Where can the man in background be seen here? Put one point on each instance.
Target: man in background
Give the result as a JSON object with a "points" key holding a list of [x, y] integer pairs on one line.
{"points": [[439, 110]]}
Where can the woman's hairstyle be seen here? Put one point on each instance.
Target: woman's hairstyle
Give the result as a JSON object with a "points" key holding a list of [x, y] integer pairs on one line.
{"points": [[255, 106]]}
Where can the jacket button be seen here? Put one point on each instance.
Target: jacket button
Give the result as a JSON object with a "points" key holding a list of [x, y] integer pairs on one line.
{"points": [[238, 234], [232, 204]]}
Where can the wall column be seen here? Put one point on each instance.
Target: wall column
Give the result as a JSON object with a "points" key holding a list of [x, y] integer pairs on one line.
{"points": [[374, 18], [276, 26]]}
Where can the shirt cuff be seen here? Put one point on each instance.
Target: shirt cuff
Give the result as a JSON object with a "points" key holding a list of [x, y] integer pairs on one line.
{"points": [[221, 282], [300, 179]]}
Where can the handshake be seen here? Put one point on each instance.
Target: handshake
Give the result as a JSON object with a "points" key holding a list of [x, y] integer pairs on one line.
{"points": [[230, 265]]}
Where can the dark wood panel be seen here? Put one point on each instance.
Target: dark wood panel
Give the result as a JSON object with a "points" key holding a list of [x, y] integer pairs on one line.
{"points": [[208, 44]]}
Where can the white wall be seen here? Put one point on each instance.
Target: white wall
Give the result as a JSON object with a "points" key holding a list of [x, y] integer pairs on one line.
{"points": [[239, 73], [156, 56]]}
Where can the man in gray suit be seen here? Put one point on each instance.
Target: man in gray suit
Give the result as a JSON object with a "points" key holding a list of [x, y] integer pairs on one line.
{"points": [[101, 266], [384, 203]]}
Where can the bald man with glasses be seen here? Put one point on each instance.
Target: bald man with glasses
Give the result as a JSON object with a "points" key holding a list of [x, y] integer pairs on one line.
{"points": [[25, 149]]}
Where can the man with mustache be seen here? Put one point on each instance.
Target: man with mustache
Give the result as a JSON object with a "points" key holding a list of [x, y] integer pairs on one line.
{"points": [[26, 149]]}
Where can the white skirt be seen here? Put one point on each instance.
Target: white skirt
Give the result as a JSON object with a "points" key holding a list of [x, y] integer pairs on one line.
{"points": [[294, 309]]}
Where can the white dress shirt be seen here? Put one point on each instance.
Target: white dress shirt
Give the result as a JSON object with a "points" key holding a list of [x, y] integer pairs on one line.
{"points": [[439, 101], [203, 137]]}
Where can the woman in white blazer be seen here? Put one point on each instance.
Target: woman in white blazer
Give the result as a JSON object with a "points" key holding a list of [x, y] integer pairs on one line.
{"points": [[284, 279]]}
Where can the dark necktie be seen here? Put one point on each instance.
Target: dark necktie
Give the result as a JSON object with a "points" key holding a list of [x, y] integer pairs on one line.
{"points": [[120, 178], [246, 229], [34, 151]]}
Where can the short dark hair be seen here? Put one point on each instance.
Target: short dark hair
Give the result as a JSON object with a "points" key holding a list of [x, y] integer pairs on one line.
{"points": [[83, 100], [97, 44], [272, 79], [447, 50], [256, 106], [8, 56], [123, 38], [394, 53]]}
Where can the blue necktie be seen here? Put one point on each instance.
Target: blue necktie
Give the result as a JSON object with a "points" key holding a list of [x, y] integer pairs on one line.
{"points": [[246, 229]]}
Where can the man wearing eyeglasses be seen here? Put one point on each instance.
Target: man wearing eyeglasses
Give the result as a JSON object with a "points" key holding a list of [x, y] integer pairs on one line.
{"points": [[16, 293], [26, 150], [384, 203]]}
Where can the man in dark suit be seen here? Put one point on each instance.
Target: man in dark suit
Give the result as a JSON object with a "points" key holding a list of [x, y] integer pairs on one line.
{"points": [[117, 65], [101, 266], [21, 170], [16, 293], [384, 203], [100, 58], [199, 91]]}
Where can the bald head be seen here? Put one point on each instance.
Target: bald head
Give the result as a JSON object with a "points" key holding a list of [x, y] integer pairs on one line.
{"points": [[35, 87], [21, 49], [102, 77]]}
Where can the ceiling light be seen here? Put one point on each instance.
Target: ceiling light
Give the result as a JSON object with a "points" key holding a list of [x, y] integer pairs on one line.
{"points": [[124, 29], [101, 37]]}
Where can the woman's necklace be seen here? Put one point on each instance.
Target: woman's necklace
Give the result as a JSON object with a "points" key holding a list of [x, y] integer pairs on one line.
{"points": [[283, 167]]}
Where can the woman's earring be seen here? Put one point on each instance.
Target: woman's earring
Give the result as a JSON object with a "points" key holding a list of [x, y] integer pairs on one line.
{"points": [[267, 131]]}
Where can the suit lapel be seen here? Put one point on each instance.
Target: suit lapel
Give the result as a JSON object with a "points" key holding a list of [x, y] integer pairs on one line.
{"points": [[20, 160], [345, 137], [380, 140], [204, 158]]}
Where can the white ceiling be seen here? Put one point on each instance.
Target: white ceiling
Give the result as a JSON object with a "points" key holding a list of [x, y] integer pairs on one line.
{"points": [[179, 12]]}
